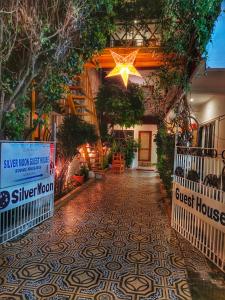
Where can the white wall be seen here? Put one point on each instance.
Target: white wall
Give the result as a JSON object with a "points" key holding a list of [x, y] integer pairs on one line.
{"points": [[208, 100], [213, 110], [145, 127]]}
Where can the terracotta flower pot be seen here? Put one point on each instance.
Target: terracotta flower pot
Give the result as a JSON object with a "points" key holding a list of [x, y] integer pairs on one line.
{"points": [[77, 178]]}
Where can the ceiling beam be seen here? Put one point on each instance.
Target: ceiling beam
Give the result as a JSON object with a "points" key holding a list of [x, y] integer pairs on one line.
{"points": [[146, 58]]}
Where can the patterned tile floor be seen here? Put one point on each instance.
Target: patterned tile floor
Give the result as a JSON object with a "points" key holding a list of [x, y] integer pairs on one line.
{"points": [[113, 241], [206, 281]]}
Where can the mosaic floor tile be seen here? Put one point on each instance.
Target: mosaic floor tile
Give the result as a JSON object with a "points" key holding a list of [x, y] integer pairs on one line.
{"points": [[112, 242]]}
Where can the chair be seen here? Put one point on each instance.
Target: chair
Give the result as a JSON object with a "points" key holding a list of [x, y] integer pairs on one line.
{"points": [[118, 163]]}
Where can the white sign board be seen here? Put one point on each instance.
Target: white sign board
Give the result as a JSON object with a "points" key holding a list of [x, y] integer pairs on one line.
{"points": [[15, 196], [207, 209], [25, 162]]}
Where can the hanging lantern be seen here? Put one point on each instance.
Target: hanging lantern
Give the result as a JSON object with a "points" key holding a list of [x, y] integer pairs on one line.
{"points": [[124, 66]]}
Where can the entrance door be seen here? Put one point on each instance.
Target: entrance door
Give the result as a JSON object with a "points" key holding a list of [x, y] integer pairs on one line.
{"points": [[145, 140]]}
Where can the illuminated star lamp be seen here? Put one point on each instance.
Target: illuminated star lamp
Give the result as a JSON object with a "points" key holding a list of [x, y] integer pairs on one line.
{"points": [[124, 66]]}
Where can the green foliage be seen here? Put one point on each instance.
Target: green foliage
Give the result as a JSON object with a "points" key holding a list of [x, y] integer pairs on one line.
{"points": [[84, 171], [74, 64], [190, 24], [130, 148], [93, 34], [14, 123], [126, 146], [116, 105], [186, 29], [165, 152], [75, 132], [140, 10], [105, 163], [53, 88], [48, 41]]}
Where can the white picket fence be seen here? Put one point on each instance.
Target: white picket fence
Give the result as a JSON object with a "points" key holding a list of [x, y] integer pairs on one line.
{"points": [[198, 209]]}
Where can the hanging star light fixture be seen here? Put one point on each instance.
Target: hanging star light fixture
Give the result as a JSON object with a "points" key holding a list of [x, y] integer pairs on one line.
{"points": [[124, 66]]}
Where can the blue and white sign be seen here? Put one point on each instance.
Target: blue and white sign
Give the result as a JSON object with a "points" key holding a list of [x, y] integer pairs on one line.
{"points": [[16, 196], [26, 186], [24, 162]]}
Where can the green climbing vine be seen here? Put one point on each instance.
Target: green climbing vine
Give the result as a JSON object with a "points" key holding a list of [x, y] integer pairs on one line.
{"points": [[165, 143]]}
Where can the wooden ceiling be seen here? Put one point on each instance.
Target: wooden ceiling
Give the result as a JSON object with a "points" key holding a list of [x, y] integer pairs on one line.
{"points": [[147, 57]]}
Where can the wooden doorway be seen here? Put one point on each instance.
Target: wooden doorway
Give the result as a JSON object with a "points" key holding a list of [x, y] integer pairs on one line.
{"points": [[145, 150]]}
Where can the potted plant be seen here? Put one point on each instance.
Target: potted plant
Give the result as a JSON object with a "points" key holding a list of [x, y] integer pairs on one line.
{"points": [[73, 133], [77, 179], [84, 172], [82, 176]]}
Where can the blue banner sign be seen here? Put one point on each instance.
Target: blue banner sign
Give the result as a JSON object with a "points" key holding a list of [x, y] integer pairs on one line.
{"points": [[16, 196], [25, 162]]}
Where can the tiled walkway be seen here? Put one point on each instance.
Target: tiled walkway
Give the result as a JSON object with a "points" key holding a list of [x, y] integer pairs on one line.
{"points": [[113, 241]]}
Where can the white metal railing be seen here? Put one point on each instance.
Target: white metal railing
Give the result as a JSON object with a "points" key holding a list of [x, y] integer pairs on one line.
{"points": [[198, 207], [202, 189], [202, 165], [17, 221]]}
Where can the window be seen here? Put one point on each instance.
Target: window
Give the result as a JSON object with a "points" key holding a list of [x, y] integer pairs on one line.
{"points": [[206, 136], [123, 134]]}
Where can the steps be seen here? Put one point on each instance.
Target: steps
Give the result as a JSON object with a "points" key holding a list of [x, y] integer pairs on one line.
{"points": [[80, 102]]}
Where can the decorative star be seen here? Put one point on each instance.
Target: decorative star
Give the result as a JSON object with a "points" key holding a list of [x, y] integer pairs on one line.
{"points": [[124, 66]]}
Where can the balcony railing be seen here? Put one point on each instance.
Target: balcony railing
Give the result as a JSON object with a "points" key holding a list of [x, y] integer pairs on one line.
{"points": [[198, 210], [201, 169], [136, 35]]}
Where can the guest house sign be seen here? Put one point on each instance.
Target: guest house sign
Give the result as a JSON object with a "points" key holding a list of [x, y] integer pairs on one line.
{"points": [[26, 173], [209, 210], [24, 162]]}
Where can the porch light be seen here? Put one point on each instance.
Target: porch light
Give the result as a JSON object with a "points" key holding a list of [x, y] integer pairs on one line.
{"points": [[124, 66]]}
